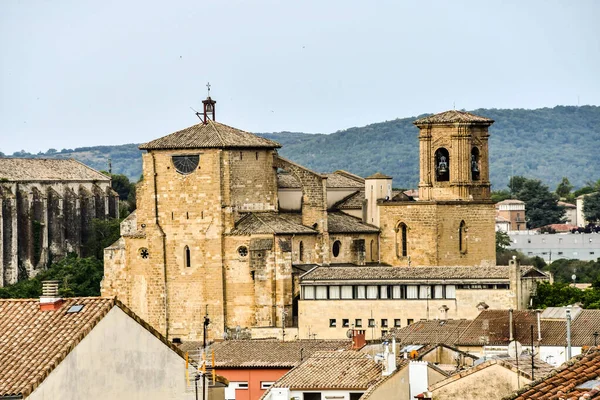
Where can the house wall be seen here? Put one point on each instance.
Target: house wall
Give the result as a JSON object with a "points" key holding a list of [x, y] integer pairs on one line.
{"points": [[325, 394], [118, 359], [556, 355], [491, 383], [551, 247], [314, 315], [253, 377]]}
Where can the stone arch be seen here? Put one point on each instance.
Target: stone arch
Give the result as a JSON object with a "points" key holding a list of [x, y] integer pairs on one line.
{"points": [[442, 165], [56, 232], [475, 164], [401, 240], [99, 202]]}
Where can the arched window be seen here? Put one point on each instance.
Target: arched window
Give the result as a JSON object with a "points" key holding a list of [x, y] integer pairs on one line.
{"points": [[401, 240], [337, 245], [301, 251], [475, 167], [372, 250], [187, 256], [462, 237], [442, 165]]}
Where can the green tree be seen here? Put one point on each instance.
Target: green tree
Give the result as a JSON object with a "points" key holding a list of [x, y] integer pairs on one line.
{"points": [[500, 195], [585, 271], [502, 241], [541, 206], [564, 188], [591, 207], [77, 277], [556, 295], [104, 232]]}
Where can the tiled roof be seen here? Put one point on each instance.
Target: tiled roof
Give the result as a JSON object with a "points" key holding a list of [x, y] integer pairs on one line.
{"points": [[563, 382], [510, 201], [559, 227], [40, 169], [333, 370], [335, 180], [430, 332], [344, 223], [566, 205], [540, 368], [493, 327], [34, 342], [270, 223], [453, 116], [351, 202], [210, 135], [449, 274], [378, 175], [268, 353]]}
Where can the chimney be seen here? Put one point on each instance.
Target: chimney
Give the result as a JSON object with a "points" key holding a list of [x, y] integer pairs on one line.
{"points": [[444, 312], [514, 274], [358, 339], [389, 359], [49, 300], [510, 324]]}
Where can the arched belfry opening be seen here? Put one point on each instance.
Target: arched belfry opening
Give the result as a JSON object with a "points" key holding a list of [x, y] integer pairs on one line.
{"points": [[401, 240], [475, 164], [442, 165]]}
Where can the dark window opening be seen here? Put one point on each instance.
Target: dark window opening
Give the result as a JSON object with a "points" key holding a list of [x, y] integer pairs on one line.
{"points": [[384, 323], [311, 396], [188, 258], [442, 165], [332, 323], [475, 166], [345, 323], [358, 323], [462, 237], [371, 322], [301, 251], [402, 240], [336, 248], [243, 251], [257, 155]]}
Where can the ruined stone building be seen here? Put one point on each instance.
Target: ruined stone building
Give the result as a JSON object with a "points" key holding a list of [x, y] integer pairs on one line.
{"points": [[225, 227], [46, 208]]}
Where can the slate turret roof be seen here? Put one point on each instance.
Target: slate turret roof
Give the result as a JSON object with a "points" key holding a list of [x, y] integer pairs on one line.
{"points": [[210, 135]]}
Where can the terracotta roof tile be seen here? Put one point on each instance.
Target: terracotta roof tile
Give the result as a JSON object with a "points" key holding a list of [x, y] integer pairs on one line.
{"points": [[266, 353], [562, 383], [430, 332], [351, 202], [333, 370], [210, 135], [40, 169], [34, 342], [378, 175], [453, 116]]}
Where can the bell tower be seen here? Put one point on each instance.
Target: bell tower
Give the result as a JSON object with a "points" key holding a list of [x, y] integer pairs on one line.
{"points": [[453, 152]]}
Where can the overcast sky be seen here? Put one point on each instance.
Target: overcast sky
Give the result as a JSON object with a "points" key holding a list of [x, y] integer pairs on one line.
{"points": [[81, 73]]}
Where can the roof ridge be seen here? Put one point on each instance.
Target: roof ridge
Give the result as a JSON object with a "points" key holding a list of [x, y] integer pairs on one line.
{"points": [[263, 222], [212, 124]]}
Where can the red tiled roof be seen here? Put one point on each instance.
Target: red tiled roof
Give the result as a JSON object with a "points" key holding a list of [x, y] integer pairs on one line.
{"points": [[453, 116], [34, 342], [563, 382]]}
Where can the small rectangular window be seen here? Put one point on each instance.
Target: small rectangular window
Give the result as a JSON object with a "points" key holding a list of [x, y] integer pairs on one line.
{"points": [[371, 322], [372, 292], [332, 322], [345, 323], [334, 292], [266, 385], [409, 321], [397, 292], [360, 292], [358, 323], [309, 292], [346, 292], [384, 332], [591, 253], [450, 291], [242, 385], [321, 292], [397, 323], [383, 292], [384, 323]]}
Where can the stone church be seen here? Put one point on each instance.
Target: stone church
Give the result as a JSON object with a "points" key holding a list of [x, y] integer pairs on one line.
{"points": [[46, 209], [226, 228]]}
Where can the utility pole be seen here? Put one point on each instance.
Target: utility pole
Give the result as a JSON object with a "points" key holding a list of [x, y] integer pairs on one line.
{"points": [[568, 333], [532, 362], [206, 323]]}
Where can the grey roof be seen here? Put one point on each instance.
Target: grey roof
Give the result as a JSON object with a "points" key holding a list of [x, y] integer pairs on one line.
{"points": [[271, 222], [338, 222], [351, 202], [334, 181], [452, 273], [42, 169], [453, 116], [266, 353], [210, 135]]}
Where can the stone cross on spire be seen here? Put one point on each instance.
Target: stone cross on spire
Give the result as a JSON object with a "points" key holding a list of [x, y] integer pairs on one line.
{"points": [[208, 86]]}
